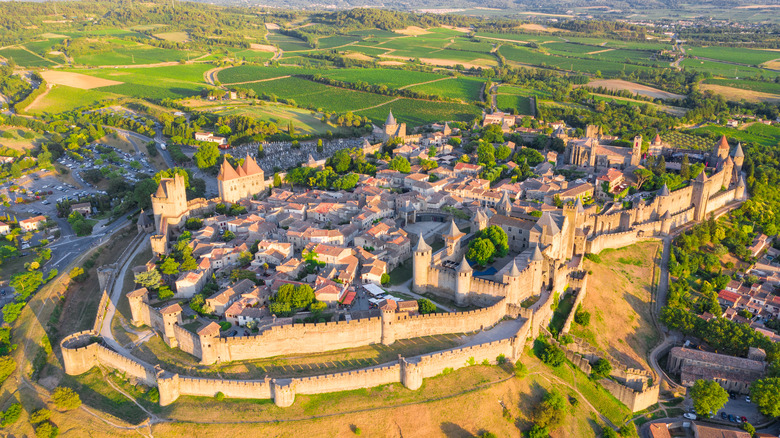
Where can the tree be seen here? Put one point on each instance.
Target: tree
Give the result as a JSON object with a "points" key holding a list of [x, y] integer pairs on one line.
{"points": [[550, 412], [46, 430], [77, 273], [149, 279], [538, 432], [553, 356], [65, 398], [486, 153], [207, 155], [642, 176], [764, 393], [400, 164], [385, 279], [425, 306], [708, 396], [228, 236], [582, 317], [481, 250], [11, 311], [164, 293], [499, 238], [7, 365], [11, 415], [601, 368], [169, 266], [40, 416], [685, 168]]}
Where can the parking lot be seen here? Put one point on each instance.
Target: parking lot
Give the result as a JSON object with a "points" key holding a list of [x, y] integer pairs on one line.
{"points": [[736, 407], [133, 167]]}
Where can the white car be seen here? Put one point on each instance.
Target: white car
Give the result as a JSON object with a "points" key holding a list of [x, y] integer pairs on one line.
{"points": [[689, 416]]}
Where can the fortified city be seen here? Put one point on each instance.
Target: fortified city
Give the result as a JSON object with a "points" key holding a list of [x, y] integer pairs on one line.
{"points": [[457, 220]]}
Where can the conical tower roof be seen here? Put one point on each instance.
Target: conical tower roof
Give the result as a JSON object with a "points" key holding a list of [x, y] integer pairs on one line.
{"points": [[250, 166], [701, 177], [226, 172], [514, 271], [741, 182], [390, 119], [657, 138], [421, 245], [546, 221], [452, 230], [664, 191], [537, 254], [724, 143], [464, 266], [738, 151], [578, 205]]}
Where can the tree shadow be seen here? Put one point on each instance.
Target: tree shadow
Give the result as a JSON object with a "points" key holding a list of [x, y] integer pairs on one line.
{"points": [[452, 430]]}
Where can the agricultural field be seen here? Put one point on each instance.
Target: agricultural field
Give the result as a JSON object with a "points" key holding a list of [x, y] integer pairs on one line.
{"points": [[315, 95], [287, 43], [520, 38], [328, 43], [726, 70], [382, 76], [734, 54], [24, 58], [121, 52], [62, 98], [756, 133], [464, 88], [760, 86], [509, 102], [250, 55], [533, 57], [369, 51], [19, 140], [176, 37], [247, 73], [154, 82], [686, 141], [421, 112], [305, 121]]}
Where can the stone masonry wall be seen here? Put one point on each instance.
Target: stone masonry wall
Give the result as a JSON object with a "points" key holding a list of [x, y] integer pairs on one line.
{"points": [[442, 323], [188, 342]]}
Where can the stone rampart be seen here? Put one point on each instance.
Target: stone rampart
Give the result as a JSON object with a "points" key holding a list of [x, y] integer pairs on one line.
{"points": [[721, 199], [442, 323], [188, 342], [435, 363], [635, 400], [300, 339], [112, 359], [582, 286], [362, 378], [618, 240], [257, 389]]}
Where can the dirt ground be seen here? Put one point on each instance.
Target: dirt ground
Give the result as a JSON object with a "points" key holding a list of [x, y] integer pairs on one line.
{"points": [[391, 63], [263, 47], [118, 140], [76, 80], [412, 31], [774, 64], [738, 94], [617, 84], [599, 51], [358, 56], [618, 299]]}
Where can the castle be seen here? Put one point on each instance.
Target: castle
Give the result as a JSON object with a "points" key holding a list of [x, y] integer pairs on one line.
{"points": [[240, 183], [589, 152], [393, 129]]}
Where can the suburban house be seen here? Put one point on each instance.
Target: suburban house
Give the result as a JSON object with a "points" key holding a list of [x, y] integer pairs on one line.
{"points": [[32, 224]]}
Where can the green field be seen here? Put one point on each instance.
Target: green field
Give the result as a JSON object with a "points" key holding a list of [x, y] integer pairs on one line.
{"points": [[315, 95], [382, 76], [761, 86], [121, 52], [508, 102], [521, 37], [336, 41], [249, 54], [246, 73], [464, 88], [24, 58], [757, 133], [533, 57], [62, 98], [305, 122], [734, 54], [421, 112], [287, 43], [154, 82], [726, 70]]}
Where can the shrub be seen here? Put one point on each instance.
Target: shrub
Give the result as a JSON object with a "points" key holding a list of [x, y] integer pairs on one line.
{"points": [[595, 258], [219, 396], [601, 368], [11, 415], [553, 356], [501, 359], [153, 395], [581, 317], [46, 430], [40, 416], [66, 399]]}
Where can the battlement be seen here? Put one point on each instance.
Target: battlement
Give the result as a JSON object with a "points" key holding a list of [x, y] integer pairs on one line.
{"points": [[360, 373]]}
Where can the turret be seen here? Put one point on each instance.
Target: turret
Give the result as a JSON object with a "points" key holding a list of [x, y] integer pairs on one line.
{"points": [[666, 223], [701, 195], [171, 316], [388, 326], [463, 283], [452, 238], [421, 264], [504, 206], [208, 336], [663, 199], [739, 158], [636, 151]]}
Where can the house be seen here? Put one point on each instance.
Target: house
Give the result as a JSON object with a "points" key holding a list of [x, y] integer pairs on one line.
{"points": [[85, 208], [220, 301], [32, 224], [190, 283], [210, 137], [4, 228]]}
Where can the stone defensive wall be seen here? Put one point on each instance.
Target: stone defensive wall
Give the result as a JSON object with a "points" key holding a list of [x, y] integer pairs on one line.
{"points": [[297, 339], [721, 199], [82, 351], [187, 341], [581, 285], [404, 327], [618, 240]]}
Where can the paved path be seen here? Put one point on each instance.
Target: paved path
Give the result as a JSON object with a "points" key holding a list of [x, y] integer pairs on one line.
{"points": [[405, 287]]}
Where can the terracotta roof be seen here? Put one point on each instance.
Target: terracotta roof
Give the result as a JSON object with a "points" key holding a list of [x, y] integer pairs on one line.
{"points": [[210, 329], [226, 172], [173, 308], [138, 293]]}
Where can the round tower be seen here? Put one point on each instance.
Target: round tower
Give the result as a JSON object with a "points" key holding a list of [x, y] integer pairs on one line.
{"points": [[388, 329], [421, 264], [739, 159], [663, 198], [463, 283], [411, 374]]}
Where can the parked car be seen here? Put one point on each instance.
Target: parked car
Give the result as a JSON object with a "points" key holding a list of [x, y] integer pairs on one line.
{"points": [[724, 416], [731, 418], [744, 419], [689, 416], [747, 399]]}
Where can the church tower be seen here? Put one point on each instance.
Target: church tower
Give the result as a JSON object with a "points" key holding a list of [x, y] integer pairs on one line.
{"points": [[169, 202], [421, 264]]}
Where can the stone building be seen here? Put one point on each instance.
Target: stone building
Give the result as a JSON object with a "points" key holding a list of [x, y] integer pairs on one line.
{"points": [[393, 129], [733, 373], [240, 183], [589, 152]]}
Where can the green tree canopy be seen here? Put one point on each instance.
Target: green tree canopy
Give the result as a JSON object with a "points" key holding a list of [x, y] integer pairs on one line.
{"points": [[708, 396], [65, 398], [425, 306], [207, 155], [400, 164], [765, 393]]}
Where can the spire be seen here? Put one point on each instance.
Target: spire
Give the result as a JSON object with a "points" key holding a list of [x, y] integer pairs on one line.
{"points": [[464, 266], [537, 255], [741, 182], [452, 230], [547, 224], [657, 139], [724, 143], [421, 245], [160, 191], [226, 172], [390, 119], [701, 177], [738, 151], [514, 271], [664, 191], [578, 205]]}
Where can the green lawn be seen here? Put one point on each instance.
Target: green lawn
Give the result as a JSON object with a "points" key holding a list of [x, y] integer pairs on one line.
{"points": [[62, 98]]}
